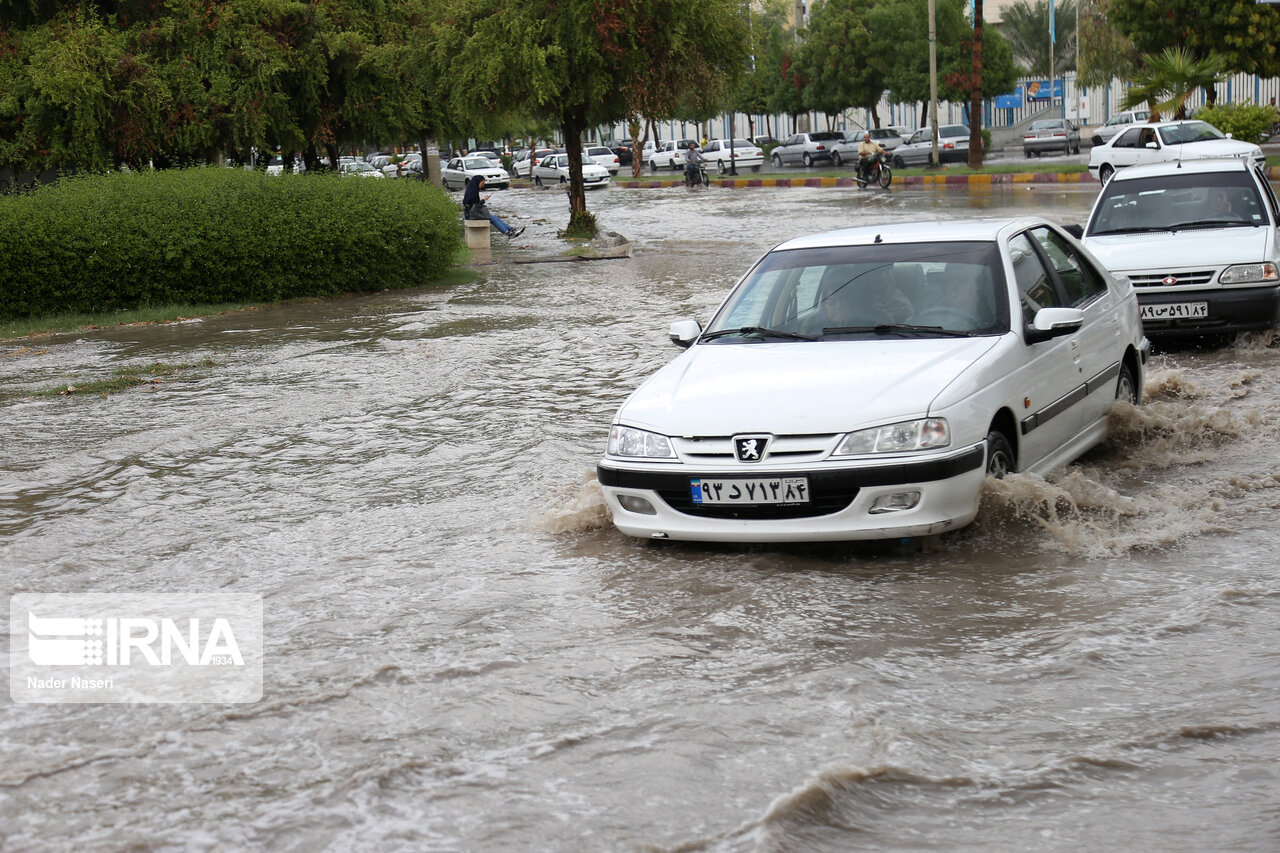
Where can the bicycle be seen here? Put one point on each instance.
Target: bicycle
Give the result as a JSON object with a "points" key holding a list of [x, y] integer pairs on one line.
{"points": [[876, 172]]}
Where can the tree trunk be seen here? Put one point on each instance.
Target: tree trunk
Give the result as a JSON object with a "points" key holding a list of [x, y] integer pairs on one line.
{"points": [[572, 129], [975, 92], [875, 116]]}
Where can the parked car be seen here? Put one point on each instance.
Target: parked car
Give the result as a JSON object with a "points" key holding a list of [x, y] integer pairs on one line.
{"points": [[1051, 134], [1198, 239], [669, 154], [602, 155], [846, 150], [762, 141], [860, 384], [554, 169], [742, 154], [622, 148], [459, 170], [359, 168], [1117, 123], [523, 162], [1168, 140], [806, 148], [953, 146]]}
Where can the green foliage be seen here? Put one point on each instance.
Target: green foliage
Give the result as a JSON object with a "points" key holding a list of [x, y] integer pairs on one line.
{"points": [[216, 235], [1170, 78], [1105, 52], [1244, 33], [582, 226], [833, 58], [1025, 24], [1251, 122]]}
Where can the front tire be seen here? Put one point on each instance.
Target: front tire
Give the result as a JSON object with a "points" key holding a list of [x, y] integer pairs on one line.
{"points": [[899, 163], [1105, 171], [653, 167], [1127, 385], [777, 161], [886, 177], [537, 180], [836, 159], [1000, 460]]}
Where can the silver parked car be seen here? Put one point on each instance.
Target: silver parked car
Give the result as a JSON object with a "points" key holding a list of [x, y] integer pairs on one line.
{"points": [[806, 148], [1051, 134], [953, 146]]}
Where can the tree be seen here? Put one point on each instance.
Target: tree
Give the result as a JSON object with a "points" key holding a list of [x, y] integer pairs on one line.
{"points": [[1244, 33], [1169, 79], [1105, 52], [833, 58], [582, 63], [1025, 25]]}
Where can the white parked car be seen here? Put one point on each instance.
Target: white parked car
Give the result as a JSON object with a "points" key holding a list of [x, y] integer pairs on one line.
{"points": [[1198, 239], [459, 170], [1117, 123], [860, 384], [1167, 140], [846, 151], [953, 146], [554, 169], [668, 155], [359, 168], [522, 164], [603, 156], [742, 154]]}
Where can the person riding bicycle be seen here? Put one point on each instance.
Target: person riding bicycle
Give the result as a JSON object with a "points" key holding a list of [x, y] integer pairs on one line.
{"points": [[868, 148], [692, 160]]}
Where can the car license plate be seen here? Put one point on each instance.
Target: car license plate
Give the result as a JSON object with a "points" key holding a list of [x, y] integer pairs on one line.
{"points": [[760, 490], [1176, 311]]}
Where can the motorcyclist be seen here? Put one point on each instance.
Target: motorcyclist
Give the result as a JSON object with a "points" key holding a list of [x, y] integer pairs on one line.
{"points": [[693, 157], [868, 149]]}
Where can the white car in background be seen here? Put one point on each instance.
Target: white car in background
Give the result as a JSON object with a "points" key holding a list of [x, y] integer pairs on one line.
{"points": [[359, 168], [861, 384], [669, 154], [1117, 123], [603, 156], [1198, 240], [846, 151], [554, 169], [459, 170], [743, 154], [1140, 144]]}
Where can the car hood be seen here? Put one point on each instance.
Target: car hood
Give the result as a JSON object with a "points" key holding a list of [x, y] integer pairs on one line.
{"points": [[794, 388], [1207, 247]]}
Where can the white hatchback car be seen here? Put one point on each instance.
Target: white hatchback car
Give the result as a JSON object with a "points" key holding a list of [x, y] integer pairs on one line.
{"points": [[1164, 141], [1198, 239], [554, 169], [668, 155], [860, 384]]}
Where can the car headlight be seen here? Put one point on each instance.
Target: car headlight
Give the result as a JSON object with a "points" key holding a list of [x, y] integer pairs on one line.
{"points": [[924, 434], [1241, 273], [625, 441]]}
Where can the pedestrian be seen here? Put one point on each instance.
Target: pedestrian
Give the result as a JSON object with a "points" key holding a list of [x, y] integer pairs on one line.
{"points": [[474, 206]]}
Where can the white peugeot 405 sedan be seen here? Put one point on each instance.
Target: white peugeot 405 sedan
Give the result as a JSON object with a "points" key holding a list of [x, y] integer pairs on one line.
{"points": [[860, 384]]}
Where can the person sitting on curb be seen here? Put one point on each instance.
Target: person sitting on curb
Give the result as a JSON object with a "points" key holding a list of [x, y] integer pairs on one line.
{"points": [[474, 207]]}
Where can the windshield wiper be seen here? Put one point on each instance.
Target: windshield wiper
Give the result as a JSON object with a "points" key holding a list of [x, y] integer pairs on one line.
{"points": [[1136, 229], [1211, 223], [760, 331], [894, 328]]}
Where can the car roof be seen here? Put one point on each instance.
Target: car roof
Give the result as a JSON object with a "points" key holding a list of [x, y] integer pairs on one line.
{"points": [[1173, 167], [899, 233]]}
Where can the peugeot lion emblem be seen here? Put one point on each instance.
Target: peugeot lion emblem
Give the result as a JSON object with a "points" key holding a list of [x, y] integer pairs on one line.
{"points": [[749, 448]]}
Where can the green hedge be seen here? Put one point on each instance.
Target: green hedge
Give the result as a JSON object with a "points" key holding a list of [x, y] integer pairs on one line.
{"points": [[1250, 122], [210, 235]]}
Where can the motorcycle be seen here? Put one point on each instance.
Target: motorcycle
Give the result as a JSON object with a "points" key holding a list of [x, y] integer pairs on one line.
{"points": [[876, 172], [702, 178]]}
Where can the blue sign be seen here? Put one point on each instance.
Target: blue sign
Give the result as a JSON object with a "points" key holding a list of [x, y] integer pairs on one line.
{"points": [[1008, 102]]}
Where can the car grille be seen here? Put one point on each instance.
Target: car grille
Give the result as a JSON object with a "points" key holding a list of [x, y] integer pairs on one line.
{"points": [[781, 448], [1198, 278]]}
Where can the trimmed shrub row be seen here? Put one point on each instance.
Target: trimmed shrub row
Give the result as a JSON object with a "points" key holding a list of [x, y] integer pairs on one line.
{"points": [[210, 235]]}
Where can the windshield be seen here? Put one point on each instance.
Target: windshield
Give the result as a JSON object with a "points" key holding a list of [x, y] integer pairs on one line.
{"points": [[912, 290], [477, 163], [1170, 202], [1192, 131]]}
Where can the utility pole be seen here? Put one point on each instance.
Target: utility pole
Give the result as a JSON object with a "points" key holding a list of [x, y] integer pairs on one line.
{"points": [[975, 92], [933, 81]]}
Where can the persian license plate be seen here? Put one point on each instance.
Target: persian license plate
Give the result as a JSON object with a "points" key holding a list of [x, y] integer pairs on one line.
{"points": [[1176, 311], [759, 490]]}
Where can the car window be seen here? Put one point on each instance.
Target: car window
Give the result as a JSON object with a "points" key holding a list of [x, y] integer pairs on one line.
{"points": [[1081, 282], [1035, 287], [713, 146], [1128, 139], [1146, 136], [825, 136]]}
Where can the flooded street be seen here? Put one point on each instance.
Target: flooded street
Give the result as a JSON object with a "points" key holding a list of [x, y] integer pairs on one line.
{"points": [[461, 654]]}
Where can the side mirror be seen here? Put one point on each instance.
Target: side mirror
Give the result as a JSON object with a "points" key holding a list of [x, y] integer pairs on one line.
{"points": [[684, 332], [1152, 146], [1052, 323], [1075, 229], [1229, 136]]}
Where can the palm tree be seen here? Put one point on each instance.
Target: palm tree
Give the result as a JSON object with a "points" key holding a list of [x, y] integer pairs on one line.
{"points": [[1170, 78], [1026, 25]]}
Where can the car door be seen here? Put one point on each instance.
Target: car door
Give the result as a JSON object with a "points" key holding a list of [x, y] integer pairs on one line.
{"points": [[453, 174], [788, 150], [1098, 347], [1049, 383], [1150, 148], [1124, 150]]}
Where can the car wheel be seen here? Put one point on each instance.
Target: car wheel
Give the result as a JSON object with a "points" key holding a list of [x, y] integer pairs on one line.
{"points": [[755, 168], [1075, 149], [808, 161], [1127, 385], [899, 163], [653, 167], [836, 160], [564, 180], [1097, 140], [444, 184], [537, 181], [777, 161], [999, 455], [1105, 172]]}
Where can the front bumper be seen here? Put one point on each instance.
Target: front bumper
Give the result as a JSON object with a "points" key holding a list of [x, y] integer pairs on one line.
{"points": [[838, 510], [1233, 309]]}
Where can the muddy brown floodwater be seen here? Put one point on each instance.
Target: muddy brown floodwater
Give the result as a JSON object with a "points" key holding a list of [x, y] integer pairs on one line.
{"points": [[461, 654]]}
